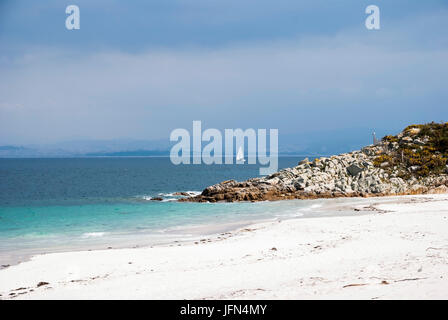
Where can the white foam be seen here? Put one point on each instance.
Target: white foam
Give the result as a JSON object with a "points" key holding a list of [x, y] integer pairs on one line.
{"points": [[313, 206], [93, 234], [194, 193], [171, 194]]}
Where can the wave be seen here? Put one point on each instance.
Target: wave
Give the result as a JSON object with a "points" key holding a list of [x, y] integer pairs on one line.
{"points": [[311, 207], [180, 193], [194, 193], [171, 196], [93, 234]]}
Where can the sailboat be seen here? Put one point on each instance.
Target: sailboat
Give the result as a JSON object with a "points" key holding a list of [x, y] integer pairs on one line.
{"points": [[240, 155]]}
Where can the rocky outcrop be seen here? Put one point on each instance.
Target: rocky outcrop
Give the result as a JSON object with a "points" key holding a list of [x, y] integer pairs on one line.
{"points": [[372, 171]]}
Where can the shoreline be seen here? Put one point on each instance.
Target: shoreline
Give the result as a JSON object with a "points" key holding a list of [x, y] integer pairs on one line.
{"points": [[140, 241], [188, 234], [395, 248]]}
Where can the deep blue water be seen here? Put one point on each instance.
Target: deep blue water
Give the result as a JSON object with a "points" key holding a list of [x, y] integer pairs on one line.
{"points": [[48, 203], [103, 180]]}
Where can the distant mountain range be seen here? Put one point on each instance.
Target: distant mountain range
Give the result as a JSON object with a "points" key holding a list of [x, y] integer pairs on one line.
{"points": [[314, 143], [88, 148]]}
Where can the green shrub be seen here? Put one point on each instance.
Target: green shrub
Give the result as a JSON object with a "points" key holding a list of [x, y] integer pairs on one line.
{"points": [[390, 139], [381, 159], [431, 158]]}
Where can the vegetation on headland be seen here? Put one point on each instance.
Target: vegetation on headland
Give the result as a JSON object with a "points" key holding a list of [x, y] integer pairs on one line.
{"points": [[419, 150]]}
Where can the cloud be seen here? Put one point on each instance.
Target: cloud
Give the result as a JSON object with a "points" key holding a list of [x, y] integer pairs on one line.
{"points": [[352, 78]]}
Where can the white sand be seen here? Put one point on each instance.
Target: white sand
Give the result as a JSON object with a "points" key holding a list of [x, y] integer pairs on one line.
{"points": [[398, 254]]}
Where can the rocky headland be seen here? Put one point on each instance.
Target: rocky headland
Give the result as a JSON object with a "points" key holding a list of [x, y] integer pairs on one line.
{"points": [[412, 162]]}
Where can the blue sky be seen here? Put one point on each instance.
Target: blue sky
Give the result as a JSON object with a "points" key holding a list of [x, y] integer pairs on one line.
{"points": [[139, 69]]}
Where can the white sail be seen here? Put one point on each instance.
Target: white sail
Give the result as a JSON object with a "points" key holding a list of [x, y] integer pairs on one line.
{"points": [[240, 155]]}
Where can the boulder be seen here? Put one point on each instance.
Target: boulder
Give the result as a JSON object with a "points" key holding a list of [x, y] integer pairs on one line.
{"points": [[353, 170], [185, 194], [384, 164], [304, 161], [419, 142], [300, 184], [439, 190], [414, 131]]}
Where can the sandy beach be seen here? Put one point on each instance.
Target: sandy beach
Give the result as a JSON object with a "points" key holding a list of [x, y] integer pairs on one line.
{"points": [[396, 248]]}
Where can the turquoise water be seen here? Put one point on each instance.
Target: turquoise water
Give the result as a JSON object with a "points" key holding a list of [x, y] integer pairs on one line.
{"points": [[54, 204], [78, 220]]}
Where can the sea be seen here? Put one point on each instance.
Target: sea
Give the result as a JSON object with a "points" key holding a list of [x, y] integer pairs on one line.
{"points": [[53, 205]]}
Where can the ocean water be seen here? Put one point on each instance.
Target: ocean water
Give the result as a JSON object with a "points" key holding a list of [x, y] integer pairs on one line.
{"points": [[53, 204], [49, 205]]}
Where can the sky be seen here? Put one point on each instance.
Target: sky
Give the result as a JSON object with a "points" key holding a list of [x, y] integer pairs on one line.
{"points": [[139, 69]]}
